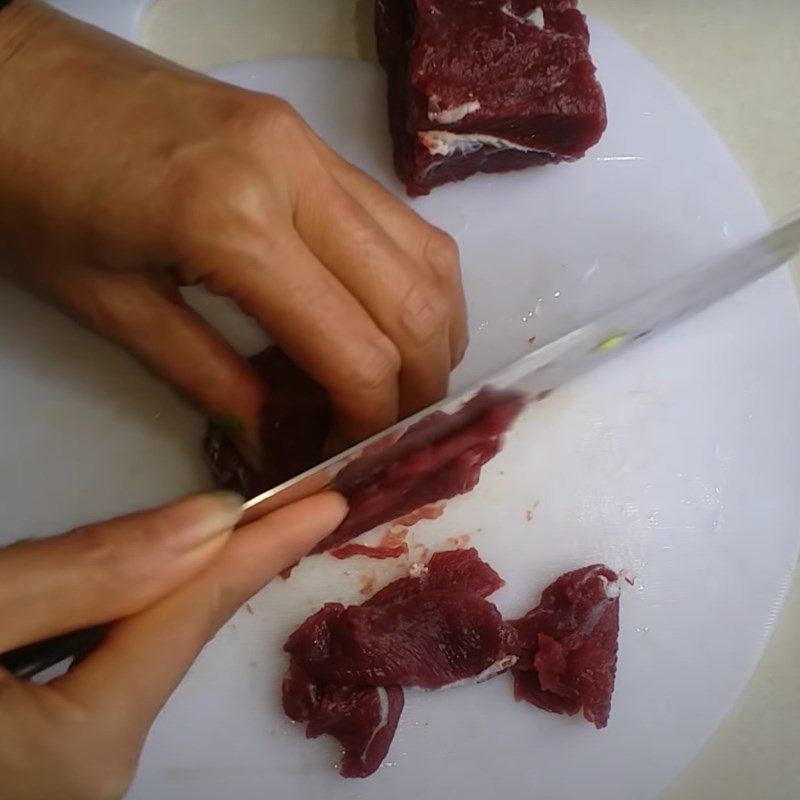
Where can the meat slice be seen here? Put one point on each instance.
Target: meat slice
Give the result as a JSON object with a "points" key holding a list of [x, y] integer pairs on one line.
{"points": [[454, 570], [362, 718], [380, 552], [568, 645], [431, 640], [436, 459], [394, 636], [486, 85]]}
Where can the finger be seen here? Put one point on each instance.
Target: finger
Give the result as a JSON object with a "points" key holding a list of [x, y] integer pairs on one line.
{"points": [[401, 295], [166, 335], [424, 242], [321, 325], [109, 570], [144, 657]]}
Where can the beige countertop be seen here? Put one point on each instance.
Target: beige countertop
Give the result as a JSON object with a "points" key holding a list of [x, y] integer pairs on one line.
{"points": [[739, 62]]}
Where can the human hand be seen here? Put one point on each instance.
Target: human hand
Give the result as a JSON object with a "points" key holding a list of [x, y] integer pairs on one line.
{"points": [[125, 177], [172, 576]]}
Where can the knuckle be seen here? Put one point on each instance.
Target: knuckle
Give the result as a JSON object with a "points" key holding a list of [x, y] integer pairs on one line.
{"points": [[215, 195], [441, 252], [425, 313], [104, 566], [379, 364], [258, 116], [112, 309]]}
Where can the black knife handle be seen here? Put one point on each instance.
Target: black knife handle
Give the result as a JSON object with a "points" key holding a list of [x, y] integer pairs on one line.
{"points": [[29, 660]]}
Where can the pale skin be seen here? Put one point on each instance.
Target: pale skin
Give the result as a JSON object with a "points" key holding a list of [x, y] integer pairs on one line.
{"points": [[124, 178]]}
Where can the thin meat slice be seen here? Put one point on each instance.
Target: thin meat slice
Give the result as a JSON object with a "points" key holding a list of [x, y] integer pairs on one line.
{"points": [[362, 718], [380, 552], [435, 639], [455, 570], [568, 645], [398, 635], [439, 457], [436, 459]]}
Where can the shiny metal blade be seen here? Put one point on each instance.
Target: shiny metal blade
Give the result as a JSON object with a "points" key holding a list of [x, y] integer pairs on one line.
{"points": [[539, 372]]}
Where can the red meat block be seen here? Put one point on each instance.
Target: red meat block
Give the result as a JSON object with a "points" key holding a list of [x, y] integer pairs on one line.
{"points": [[295, 422], [568, 646], [486, 86]]}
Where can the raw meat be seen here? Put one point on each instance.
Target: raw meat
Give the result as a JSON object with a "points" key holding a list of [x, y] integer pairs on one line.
{"points": [[454, 570], [430, 511], [568, 645], [350, 550], [359, 716], [486, 86], [434, 639], [362, 718], [295, 423], [436, 459]]}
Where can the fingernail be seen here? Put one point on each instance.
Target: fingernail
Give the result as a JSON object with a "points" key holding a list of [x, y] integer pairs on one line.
{"points": [[202, 518]]}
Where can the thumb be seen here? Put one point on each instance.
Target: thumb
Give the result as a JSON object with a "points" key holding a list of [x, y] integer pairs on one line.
{"points": [[142, 660], [108, 570]]}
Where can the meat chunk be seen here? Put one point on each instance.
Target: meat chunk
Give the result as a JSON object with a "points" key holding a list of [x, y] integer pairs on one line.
{"points": [[362, 718], [436, 459], [486, 86], [431, 640], [295, 422], [568, 646]]}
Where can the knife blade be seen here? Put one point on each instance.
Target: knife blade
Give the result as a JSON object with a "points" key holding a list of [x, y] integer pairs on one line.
{"points": [[537, 373], [541, 371]]}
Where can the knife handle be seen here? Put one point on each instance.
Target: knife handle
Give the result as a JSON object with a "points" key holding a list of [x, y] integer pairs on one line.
{"points": [[31, 659]]}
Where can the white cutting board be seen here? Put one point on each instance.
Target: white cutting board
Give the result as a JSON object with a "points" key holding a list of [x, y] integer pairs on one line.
{"points": [[678, 461]]}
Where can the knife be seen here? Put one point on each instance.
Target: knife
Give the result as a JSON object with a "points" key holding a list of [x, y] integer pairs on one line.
{"points": [[542, 370], [537, 374]]}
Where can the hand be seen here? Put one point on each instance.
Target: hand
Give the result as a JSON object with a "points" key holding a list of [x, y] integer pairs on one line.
{"points": [[125, 177], [173, 576]]}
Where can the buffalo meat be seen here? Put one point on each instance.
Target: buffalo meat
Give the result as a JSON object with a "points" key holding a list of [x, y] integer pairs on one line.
{"points": [[347, 664], [362, 718], [486, 86], [431, 640], [568, 646], [454, 570], [295, 422], [436, 459]]}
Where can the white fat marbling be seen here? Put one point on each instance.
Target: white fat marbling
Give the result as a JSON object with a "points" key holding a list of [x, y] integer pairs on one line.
{"points": [[383, 704], [490, 672], [535, 18], [445, 143], [447, 116]]}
